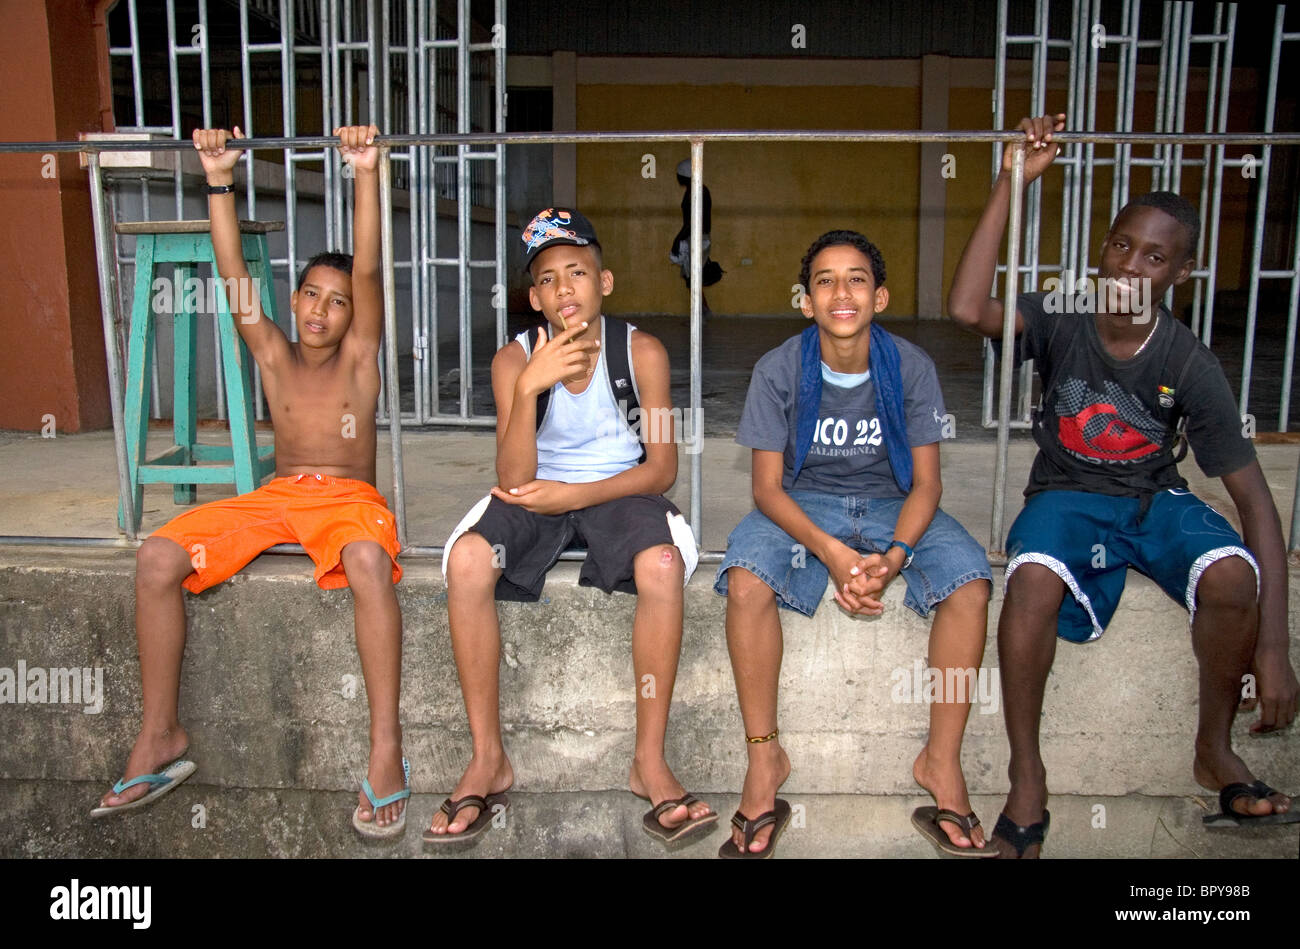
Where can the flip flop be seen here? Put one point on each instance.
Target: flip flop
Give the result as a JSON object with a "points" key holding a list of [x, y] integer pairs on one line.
{"points": [[927, 820], [486, 813], [164, 782], [1230, 818], [779, 815], [1022, 838], [368, 828], [650, 822]]}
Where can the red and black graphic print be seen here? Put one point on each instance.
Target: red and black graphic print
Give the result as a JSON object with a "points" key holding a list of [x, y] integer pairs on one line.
{"points": [[1105, 427]]}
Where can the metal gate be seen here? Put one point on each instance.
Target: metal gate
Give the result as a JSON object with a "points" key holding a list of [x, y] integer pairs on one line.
{"points": [[1084, 47], [404, 67]]}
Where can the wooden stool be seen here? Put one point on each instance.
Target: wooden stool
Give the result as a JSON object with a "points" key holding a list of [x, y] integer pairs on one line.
{"points": [[184, 245]]}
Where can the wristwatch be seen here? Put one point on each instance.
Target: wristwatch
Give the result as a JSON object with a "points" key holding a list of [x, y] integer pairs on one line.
{"points": [[221, 189], [910, 553]]}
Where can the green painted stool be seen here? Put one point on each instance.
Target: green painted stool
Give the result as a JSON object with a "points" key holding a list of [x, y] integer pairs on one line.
{"points": [[184, 245]]}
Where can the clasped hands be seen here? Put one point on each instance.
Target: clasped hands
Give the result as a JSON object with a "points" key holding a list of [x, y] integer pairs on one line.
{"points": [[860, 580]]}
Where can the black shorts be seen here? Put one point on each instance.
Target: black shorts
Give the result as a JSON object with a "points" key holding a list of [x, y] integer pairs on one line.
{"points": [[527, 545]]}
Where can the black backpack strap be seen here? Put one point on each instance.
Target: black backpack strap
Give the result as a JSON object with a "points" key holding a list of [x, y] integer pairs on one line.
{"points": [[617, 345], [544, 397]]}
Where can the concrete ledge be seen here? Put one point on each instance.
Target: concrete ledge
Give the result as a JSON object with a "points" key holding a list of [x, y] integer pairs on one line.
{"points": [[202, 820], [266, 694]]}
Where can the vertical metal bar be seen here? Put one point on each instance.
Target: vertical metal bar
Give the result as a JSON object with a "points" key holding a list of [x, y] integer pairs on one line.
{"points": [[205, 82], [135, 64], [1288, 361], [697, 324], [463, 200], [1261, 205], [1180, 103], [1089, 152], [390, 338], [113, 356], [499, 61], [328, 96], [1216, 200], [1169, 19], [1293, 544], [250, 190], [999, 97], [415, 192], [426, 95], [289, 108], [996, 539]]}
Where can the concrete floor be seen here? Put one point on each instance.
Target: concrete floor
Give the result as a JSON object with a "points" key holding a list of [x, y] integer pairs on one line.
{"points": [[67, 485], [286, 822]]}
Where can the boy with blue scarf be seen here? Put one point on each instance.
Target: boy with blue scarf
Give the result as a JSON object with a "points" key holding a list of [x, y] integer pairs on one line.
{"points": [[844, 421]]}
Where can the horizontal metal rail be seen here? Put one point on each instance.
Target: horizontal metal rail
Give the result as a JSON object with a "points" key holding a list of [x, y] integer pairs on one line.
{"points": [[883, 136], [697, 140]]}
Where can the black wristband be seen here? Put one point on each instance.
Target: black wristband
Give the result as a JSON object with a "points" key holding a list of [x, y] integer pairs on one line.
{"points": [[221, 189]]}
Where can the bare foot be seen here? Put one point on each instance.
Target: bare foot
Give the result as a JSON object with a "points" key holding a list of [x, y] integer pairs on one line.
{"points": [[152, 751], [768, 768], [1216, 770], [485, 775], [654, 781], [1025, 806], [386, 777], [947, 785]]}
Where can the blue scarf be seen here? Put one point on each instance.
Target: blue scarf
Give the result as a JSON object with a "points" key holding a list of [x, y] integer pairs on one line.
{"points": [[888, 381]]}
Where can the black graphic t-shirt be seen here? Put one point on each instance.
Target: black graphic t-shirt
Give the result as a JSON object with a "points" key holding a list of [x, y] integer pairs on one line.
{"points": [[1108, 425]]}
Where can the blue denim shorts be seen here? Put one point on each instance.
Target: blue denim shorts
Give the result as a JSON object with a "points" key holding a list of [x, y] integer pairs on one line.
{"points": [[946, 557], [1090, 540]]}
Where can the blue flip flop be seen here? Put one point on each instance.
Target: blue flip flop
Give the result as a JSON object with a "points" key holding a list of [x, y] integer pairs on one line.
{"points": [[164, 782], [368, 828]]}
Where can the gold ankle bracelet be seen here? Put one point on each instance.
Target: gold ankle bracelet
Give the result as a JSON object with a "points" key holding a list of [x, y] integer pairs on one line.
{"points": [[759, 741]]}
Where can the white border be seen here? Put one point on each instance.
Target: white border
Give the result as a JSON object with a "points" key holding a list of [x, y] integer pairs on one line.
{"points": [[1062, 571]]}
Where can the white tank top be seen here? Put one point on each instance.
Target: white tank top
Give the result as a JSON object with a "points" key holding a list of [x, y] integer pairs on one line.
{"points": [[585, 437]]}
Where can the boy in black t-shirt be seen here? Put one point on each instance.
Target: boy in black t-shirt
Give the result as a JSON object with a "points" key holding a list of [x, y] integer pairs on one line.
{"points": [[1120, 376]]}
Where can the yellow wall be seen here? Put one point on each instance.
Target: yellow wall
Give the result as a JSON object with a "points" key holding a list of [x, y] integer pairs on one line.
{"points": [[770, 200]]}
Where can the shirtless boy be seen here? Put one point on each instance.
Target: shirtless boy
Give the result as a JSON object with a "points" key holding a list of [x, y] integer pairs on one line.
{"points": [[322, 392]]}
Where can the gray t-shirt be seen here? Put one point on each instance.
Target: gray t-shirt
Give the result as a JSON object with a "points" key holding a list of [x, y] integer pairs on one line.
{"points": [[848, 454]]}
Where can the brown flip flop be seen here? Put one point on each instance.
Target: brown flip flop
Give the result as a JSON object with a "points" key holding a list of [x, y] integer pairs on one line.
{"points": [[487, 812], [927, 820], [650, 822], [779, 815]]}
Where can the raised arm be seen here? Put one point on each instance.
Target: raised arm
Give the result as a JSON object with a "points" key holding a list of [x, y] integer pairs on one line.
{"points": [[356, 145], [1262, 532], [969, 302], [264, 339]]}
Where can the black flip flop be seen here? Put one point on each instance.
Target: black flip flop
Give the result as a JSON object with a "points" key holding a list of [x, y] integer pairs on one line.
{"points": [[650, 822], [779, 815], [487, 811], [1230, 818], [927, 820], [1022, 838]]}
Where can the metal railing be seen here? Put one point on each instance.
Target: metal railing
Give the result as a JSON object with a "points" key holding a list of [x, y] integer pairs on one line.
{"points": [[397, 63], [697, 141]]}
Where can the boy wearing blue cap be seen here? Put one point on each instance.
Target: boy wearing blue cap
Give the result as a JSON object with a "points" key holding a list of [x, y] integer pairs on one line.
{"points": [[585, 449], [844, 421]]}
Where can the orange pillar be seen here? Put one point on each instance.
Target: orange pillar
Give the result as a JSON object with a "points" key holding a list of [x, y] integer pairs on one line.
{"points": [[52, 358]]}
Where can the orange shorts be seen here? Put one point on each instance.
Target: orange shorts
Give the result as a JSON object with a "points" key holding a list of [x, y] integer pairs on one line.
{"points": [[321, 513]]}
